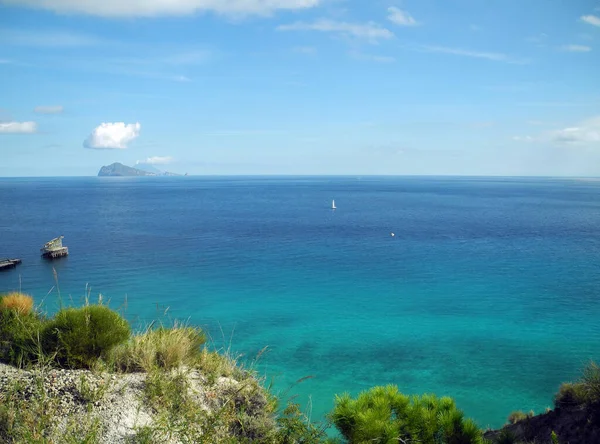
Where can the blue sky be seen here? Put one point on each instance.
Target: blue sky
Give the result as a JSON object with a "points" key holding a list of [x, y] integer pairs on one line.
{"points": [[465, 87]]}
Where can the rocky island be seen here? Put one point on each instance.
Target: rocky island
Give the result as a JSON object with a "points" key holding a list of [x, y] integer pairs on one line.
{"points": [[119, 170]]}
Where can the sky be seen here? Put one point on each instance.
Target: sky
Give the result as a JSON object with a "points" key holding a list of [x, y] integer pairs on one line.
{"points": [[294, 87]]}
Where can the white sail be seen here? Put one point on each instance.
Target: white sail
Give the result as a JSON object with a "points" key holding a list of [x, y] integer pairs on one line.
{"points": [[333, 207]]}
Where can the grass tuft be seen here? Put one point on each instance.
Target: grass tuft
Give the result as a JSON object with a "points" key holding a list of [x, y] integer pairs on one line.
{"points": [[163, 348], [519, 415], [20, 302]]}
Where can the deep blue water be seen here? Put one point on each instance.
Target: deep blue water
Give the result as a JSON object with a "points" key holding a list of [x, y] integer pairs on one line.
{"points": [[489, 292]]}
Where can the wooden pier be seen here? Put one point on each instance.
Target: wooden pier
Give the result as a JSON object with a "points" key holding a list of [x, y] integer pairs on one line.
{"points": [[7, 264], [54, 249]]}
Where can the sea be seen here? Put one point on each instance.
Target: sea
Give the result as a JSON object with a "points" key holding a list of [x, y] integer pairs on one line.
{"points": [[483, 289]]}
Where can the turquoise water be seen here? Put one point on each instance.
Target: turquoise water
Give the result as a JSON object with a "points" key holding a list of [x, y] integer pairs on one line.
{"points": [[488, 292]]}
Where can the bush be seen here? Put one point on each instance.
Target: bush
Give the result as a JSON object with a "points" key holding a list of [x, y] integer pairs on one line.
{"points": [[569, 394], [164, 348], [584, 391], [591, 382], [385, 415], [19, 337], [19, 302], [295, 427], [518, 415], [78, 337]]}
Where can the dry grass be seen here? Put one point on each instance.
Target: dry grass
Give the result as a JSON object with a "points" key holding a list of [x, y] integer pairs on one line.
{"points": [[518, 415], [20, 302], [164, 348]]}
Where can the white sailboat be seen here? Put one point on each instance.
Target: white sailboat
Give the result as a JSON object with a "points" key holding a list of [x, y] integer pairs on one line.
{"points": [[333, 207]]}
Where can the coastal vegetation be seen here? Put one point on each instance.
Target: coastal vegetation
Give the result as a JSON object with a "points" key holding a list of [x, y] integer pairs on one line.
{"points": [[84, 376]]}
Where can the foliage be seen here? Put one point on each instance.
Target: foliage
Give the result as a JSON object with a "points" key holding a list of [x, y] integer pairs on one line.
{"points": [[19, 337], [295, 427], [236, 412], [518, 415], [78, 337], [585, 391], [22, 303], [385, 415], [164, 348], [506, 437], [32, 419], [554, 437]]}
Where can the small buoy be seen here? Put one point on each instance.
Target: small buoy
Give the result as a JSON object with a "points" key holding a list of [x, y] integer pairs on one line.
{"points": [[392, 234]]}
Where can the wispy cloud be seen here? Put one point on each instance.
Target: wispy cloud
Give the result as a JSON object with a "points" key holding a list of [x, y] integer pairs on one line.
{"points": [[244, 132], [401, 17], [575, 48], [153, 8], [585, 133], [49, 109], [18, 127], [539, 40], [592, 103], [591, 19], [494, 56], [156, 160], [309, 50], [370, 31], [371, 57], [50, 38]]}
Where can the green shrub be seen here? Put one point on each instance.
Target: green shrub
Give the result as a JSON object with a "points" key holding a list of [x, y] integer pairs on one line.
{"points": [[584, 391], [591, 382], [295, 427], [78, 337], [385, 415], [164, 348], [19, 337]]}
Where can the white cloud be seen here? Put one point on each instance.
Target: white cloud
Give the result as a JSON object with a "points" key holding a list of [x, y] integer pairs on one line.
{"points": [[156, 160], [576, 48], [370, 30], [495, 56], [49, 109], [47, 38], [591, 19], [586, 133], [153, 8], [18, 127], [371, 57], [112, 135], [400, 17]]}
